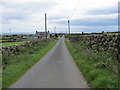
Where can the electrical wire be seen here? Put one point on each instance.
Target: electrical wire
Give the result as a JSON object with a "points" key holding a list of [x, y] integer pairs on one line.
{"points": [[74, 10]]}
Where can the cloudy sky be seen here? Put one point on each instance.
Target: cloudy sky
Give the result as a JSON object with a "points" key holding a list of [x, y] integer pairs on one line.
{"points": [[27, 16]]}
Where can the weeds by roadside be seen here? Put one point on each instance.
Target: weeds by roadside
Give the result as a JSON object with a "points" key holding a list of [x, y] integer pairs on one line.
{"points": [[99, 69], [16, 65]]}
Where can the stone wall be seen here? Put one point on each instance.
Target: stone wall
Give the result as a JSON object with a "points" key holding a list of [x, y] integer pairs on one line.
{"points": [[98, 43], [15, 49]]}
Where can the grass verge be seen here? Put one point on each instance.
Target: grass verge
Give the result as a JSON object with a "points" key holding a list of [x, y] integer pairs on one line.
{"points": [[0, 70], [19, 64], [99, 70], [0, 78]]}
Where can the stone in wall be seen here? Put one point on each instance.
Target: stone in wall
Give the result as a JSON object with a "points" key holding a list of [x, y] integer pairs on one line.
{"points": [[99, 43]]}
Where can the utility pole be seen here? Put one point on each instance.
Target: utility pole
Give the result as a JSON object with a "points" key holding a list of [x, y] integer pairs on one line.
{"points": [[10, 31], [55, 29], [46, 26], [69, 26]]}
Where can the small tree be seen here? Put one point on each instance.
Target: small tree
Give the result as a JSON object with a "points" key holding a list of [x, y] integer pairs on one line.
{"points": [[102, 32], [82, 33], [56, 35], [51, 36]]}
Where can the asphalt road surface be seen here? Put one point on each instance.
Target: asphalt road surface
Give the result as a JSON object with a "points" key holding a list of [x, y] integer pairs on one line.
{"points": [[56, 69]]}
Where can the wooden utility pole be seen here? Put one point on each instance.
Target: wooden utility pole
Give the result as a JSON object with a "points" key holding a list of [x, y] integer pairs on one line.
{"points": [[69, 26], [10, 31], [55, 29], [46, 25]]}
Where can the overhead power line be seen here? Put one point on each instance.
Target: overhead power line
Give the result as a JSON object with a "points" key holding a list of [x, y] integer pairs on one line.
{"points": [[74, 10]]}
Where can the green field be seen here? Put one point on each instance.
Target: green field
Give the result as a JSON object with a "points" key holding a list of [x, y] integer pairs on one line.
{"points": [[11, 43], [99, 69], [16, 65]]}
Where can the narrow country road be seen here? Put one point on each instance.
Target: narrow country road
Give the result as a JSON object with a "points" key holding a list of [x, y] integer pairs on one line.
{"points": [[55, 70]]}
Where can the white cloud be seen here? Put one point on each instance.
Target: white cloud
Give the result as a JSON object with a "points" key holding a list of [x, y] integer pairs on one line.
{"points": [[30, 13]]}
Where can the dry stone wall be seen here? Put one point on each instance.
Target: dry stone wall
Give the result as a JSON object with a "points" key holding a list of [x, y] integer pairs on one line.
{"points": [[15, 49], [98, 43]]}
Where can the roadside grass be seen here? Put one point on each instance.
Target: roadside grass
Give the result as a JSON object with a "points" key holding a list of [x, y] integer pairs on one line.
{"points": [[99, 69], [0, 70], [0, 46], [0, 78], [19, 64], [12, 43]]}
